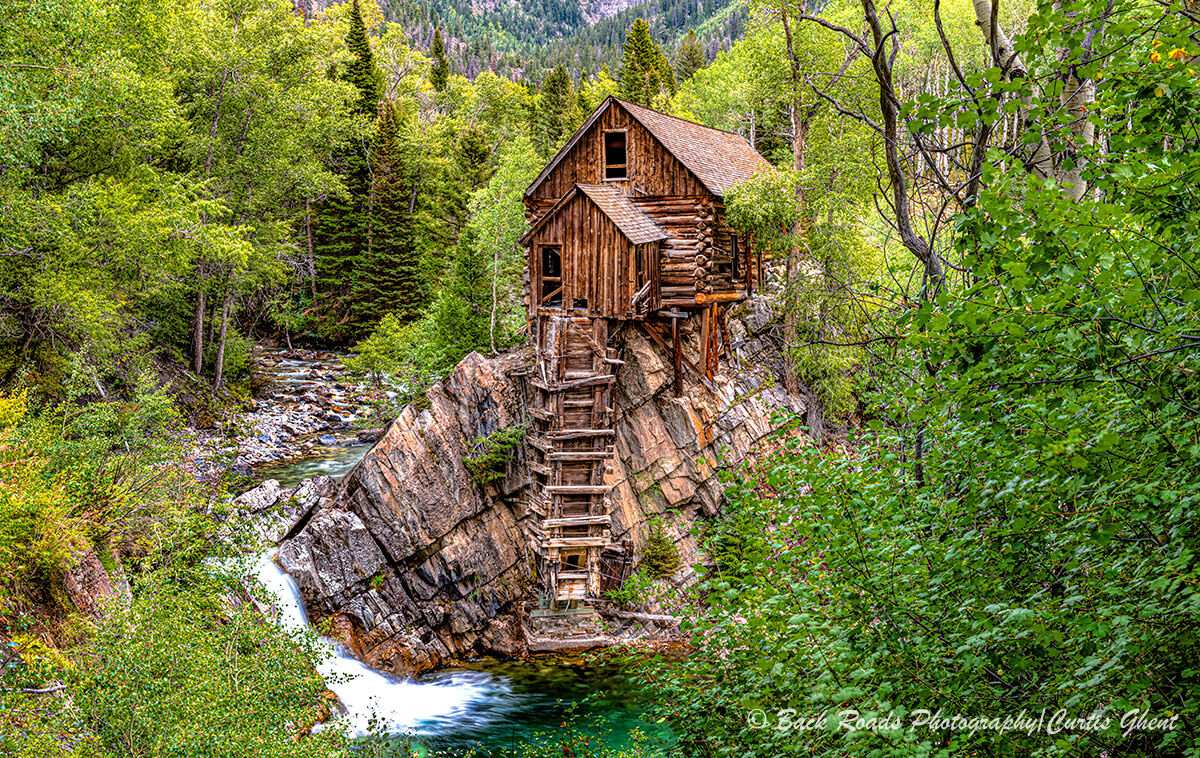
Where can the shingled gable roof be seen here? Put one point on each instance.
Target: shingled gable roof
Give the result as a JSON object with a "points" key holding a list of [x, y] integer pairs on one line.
{"points": [[637, 227], [719, 159]]}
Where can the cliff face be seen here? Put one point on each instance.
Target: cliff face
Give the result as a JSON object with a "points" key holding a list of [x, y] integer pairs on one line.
{"points": [[416, 566]]}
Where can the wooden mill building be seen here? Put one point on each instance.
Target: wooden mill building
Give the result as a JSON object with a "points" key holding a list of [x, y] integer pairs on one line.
{"points": [[627, 226]]}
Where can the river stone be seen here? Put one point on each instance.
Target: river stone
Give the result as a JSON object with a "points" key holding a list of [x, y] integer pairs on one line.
{"points": [[331, 554], [260, 498], [369, 435], [291, 510], [759, 314], [453, 572]]}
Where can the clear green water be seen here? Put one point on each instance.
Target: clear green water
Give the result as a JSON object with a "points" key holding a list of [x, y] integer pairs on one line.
{"points": [[333, 460], [543, 703]]}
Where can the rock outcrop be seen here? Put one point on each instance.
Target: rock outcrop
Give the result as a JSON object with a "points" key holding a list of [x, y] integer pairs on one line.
{"points": [[417, 566]]}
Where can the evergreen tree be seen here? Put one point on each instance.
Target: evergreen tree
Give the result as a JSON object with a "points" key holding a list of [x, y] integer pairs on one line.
{"points": [[645, 73], [341, 226], [390, 281], [439, 75], [361, 70], [690, 57], [555, 108], [474, 157]]}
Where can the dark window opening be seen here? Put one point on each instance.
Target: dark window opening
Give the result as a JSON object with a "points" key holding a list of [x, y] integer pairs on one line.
{"points": [[581, 303], [615, 156], [551, 275]]}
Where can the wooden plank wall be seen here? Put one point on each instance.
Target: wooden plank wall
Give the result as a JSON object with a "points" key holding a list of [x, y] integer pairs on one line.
{"points": [[596, 259], [652, 170]]}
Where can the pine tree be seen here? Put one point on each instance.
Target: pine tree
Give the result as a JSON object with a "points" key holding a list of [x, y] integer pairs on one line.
{"points": [[390, 281], [689, 58], [341, 228], [554, 110], [439, 75], [645, 73], [361, 70]]}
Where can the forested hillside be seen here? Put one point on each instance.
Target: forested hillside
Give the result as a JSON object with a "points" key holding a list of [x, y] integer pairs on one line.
{"points": [[525, 40], [983, 230]]}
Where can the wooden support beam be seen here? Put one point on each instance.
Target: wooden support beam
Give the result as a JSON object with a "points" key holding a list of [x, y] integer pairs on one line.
{"points": [[708, 298], [573, 434], [604, 520], [578, 489], [686, 361], [561, 542], [678, 357], [595, 381], [581, 455]]}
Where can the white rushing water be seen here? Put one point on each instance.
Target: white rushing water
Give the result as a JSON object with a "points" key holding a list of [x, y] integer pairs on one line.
{"points": [[460, 702]]}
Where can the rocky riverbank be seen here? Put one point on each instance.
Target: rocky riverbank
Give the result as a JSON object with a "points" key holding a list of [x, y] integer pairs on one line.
{"points": [[308, 409]]}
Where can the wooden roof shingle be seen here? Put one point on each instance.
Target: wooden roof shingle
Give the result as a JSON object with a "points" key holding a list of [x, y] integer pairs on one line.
{"points": [[636, 226], [719, 159]]}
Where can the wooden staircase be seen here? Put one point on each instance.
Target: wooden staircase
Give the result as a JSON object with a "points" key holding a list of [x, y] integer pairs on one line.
{"points": [[569, 449]]}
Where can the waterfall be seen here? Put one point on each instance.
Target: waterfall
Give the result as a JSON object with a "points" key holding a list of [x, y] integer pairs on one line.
{"points": [[462, 702]]}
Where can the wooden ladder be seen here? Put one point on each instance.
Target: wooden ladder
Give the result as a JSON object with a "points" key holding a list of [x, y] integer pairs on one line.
{"points": [[570, 446]]}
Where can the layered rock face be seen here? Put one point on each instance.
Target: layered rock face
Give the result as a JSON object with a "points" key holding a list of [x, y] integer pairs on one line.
{"points": [[417, 566]]}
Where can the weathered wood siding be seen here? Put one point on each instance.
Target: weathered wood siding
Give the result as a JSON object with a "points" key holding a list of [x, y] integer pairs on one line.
{"points": [[597, 260], [695, 259], [652, 170]]}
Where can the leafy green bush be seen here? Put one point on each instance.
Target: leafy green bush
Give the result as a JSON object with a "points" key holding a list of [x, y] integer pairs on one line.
{"points": [[633, 590], [182, 673], [100, 475], [737, 542], [238, 357], [1016, 531]]}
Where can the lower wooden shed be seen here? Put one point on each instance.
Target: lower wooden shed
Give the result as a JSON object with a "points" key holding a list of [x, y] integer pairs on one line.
{"points": [[596, 254]]}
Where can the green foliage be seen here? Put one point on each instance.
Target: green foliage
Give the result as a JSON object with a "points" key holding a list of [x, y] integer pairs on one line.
{"points": [[477, 308], [105, 476], [390, 281], [439, 75], [343, 225], [558, 113], [379, 355], [646, 75], [1015, 530], [634, 589], [360, 71], [490, 454], [738, 543], [236, 359], [689, 58], [831, 298], [660, 557], [207, 678]]}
